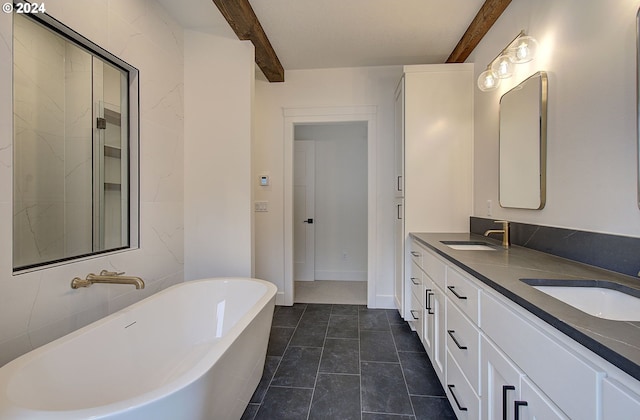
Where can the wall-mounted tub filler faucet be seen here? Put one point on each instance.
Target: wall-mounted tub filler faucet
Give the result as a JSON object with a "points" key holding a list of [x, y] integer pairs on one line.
{"points": [[504, 231], [107, 277]]}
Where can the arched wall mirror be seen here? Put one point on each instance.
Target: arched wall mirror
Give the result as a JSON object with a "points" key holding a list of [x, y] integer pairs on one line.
{"points": [[523, 144]]}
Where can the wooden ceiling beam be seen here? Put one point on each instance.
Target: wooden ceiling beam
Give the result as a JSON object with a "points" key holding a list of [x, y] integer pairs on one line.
{"points": [[480, 25], [244, 22]]}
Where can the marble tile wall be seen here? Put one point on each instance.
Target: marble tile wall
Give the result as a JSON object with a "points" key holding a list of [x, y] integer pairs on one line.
{"points": [[39, 306], [612, 252]]}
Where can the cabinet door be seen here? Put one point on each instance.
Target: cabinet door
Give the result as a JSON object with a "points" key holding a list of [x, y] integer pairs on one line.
{"points": [[429, 324], [619, 402], [501, 383], [437, 317], [399, 140], [399, 259], [534, 405]]}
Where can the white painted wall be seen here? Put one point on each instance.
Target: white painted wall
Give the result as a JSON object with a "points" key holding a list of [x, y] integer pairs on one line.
{"points": [[40, 306], [588, 49], [340, 199], [322, 88], [219, 80]]}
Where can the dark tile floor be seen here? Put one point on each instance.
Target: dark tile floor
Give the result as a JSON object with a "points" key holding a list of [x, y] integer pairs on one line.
{"points": [[346, 362]]}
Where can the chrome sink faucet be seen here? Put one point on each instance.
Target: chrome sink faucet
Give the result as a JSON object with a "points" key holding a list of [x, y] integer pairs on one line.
{"points": [[110, 277], [504, 231]]}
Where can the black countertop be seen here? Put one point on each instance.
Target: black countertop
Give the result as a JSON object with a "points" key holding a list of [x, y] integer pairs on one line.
{"points": [[618, 342]]}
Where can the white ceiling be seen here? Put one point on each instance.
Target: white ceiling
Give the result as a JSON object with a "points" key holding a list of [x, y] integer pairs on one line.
{"points": [[346, 33]]}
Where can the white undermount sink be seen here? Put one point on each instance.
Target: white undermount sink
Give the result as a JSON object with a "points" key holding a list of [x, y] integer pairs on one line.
{"points": [[601, 302], [468, 245]]}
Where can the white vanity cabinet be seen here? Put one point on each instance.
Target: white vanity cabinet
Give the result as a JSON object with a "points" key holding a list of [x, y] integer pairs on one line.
{"points": [[433, 277], [499, 361], [570, 380], [507, 390], [433, 141]]}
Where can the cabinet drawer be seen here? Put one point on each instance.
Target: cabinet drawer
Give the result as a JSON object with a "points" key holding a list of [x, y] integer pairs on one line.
{"points": [[463, 342], [415, 282], [417, 253], [464, 401], [435, 269], [416, 314], [569, 380], [464, 293]]}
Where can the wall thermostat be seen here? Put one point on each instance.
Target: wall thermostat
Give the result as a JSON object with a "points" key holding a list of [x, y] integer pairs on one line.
{"points": [[264, 180]]}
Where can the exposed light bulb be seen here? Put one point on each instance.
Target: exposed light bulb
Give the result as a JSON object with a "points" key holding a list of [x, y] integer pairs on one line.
{"points": [[502, 67], [488, 80], [524, 50]]}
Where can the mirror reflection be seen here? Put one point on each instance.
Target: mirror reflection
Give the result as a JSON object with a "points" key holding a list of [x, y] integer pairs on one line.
{"points": [[523, 133], [71, 157]]}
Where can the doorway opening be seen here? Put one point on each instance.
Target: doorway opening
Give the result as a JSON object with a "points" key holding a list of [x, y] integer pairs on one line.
{"points": [[333, 258], [330, 212]]}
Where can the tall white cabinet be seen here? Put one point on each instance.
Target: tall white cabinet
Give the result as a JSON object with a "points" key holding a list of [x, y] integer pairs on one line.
{"points": [[433, 143]]}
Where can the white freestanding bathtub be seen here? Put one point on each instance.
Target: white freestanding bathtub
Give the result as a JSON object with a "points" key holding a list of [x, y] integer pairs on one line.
{"points": [[193, 351]]}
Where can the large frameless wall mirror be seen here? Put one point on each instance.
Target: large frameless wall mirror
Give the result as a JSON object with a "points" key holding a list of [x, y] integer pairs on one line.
{"points": [[523, 143], [75, 172]]}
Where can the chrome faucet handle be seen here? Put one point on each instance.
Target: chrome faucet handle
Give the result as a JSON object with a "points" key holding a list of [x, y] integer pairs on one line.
{"points": [[111, 273]]}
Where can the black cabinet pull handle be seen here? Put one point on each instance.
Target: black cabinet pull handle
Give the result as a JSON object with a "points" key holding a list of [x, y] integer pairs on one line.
{"points": [[461, 347], [461, 408], [412, 281], [430, 308], [412, 314], [454, 292], [399, 183], [505, 388], [399, 211], [415, 254], [427, 304], [517, 405]]}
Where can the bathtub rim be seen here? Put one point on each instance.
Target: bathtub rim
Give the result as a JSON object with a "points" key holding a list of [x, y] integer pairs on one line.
{"points": [[196, 371]]}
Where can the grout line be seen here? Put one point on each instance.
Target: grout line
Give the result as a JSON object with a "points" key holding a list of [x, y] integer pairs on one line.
{"points": [[280, 361], [289, 387], [324, 341], [403, 375], [389, 414], [381, 362]]}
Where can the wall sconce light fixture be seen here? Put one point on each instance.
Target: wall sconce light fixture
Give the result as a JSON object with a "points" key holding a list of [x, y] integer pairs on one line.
{"points": [[521, 49]]}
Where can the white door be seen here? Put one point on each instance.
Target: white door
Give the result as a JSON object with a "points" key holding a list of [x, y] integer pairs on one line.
{"points": [[303, 210]]}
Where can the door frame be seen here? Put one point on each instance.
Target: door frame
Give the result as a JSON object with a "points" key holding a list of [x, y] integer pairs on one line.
{"points": [[294, 116]]}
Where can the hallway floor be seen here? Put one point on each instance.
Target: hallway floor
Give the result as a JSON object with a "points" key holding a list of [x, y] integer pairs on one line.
{"points": [[331, 291], [346, 362]]}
